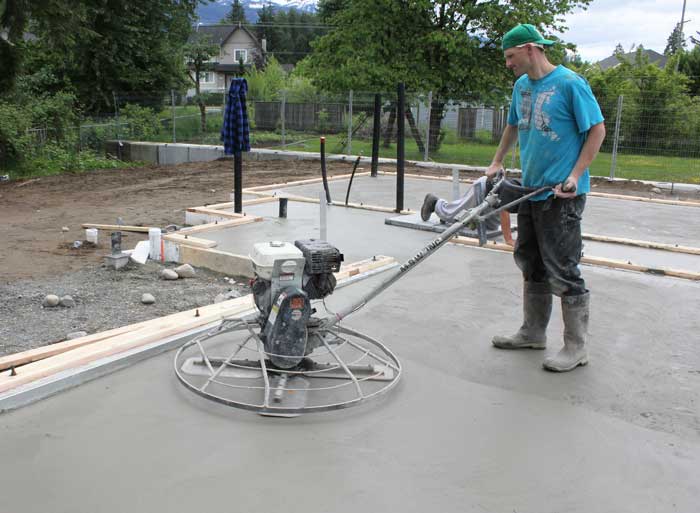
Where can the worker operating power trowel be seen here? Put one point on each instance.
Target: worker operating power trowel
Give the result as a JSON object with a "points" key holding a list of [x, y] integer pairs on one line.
{"points": [[447, 211]]}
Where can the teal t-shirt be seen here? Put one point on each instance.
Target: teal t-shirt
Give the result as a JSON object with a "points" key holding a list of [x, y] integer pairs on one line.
{"points": [[553, 116]]}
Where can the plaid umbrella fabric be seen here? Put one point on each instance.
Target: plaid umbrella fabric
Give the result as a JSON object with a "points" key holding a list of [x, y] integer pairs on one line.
{"points": [[235, 133]]}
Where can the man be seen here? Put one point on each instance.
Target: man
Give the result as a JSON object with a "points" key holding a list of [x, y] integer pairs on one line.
{"points": [[447, 211], [560, 128]]}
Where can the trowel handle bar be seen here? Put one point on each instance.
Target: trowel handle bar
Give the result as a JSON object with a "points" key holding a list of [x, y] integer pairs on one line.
{"points": [[470, 216]]}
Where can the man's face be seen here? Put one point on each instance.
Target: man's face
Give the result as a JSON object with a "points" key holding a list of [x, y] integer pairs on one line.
{"points": [[518, 59]]}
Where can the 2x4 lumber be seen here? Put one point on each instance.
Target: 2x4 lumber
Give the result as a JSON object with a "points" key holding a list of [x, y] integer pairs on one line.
{"points": [[116, 341], [647, 200], [425, 177], [39, 353], [190, 241], [214, 212], [118, 227], [643, 244], [363, 266], [593, 260], [162, 328], [362, 206], [217, 225], [308, 181], [230, 204]]}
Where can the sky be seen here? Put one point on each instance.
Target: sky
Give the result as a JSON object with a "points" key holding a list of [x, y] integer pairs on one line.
{"points": [[597, 30]]}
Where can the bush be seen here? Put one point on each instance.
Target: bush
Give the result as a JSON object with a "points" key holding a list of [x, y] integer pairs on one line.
{"points": [[142, 122]]}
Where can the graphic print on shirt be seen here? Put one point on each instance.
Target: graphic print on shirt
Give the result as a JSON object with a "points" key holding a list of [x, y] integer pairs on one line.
{"points": [[525, 110], [542, 119]]}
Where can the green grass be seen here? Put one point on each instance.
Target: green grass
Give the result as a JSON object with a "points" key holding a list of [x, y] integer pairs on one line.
{"points": [[639, 167]]}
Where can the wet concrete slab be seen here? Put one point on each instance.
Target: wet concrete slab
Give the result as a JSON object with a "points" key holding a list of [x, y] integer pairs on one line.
{"points": [[469, 428]]}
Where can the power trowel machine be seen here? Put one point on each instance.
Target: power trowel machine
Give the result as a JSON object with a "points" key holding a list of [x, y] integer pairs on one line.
{"points": [[290, 346]]}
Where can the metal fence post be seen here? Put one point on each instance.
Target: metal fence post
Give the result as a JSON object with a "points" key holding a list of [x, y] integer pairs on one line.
{"points": [[617, 137], [172, 103], [349, 152], [427, 130], [283, 108]]}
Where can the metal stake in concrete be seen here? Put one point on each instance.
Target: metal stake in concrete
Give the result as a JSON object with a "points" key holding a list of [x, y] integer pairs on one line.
{"points": [[376, 133], [238, 182], [455, 184], [283, 207], [323, 216], [400, 148], [617, 137]]}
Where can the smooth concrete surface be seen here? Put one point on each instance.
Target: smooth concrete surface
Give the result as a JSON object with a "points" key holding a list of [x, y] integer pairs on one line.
{"points": [[469, 429]]}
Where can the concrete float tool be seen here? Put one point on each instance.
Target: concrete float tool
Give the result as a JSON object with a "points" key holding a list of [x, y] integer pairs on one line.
{"points": [[283, 360]]}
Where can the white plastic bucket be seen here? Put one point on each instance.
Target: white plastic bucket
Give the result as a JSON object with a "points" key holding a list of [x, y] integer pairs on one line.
{"points": [[154, 239], [91, 235]]}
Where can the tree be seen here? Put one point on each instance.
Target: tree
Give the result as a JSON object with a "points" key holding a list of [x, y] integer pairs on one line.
{"points": [[236, 15], [264, 28], [689, 65], [198, 53], [449, 47], [676, 42], [128, 47]]}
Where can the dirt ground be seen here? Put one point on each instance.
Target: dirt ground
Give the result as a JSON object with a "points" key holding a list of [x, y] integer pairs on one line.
{"points": [[37, 257]]}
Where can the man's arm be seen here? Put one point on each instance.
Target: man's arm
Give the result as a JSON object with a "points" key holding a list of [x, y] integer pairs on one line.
{"points": [[510, 135], [590, 148]]}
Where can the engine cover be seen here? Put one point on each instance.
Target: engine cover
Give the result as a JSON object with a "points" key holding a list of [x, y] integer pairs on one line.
{"points": [[285, 332]]}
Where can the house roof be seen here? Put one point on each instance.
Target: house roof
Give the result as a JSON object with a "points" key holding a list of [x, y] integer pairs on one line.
{"points": [[220, 33], [654, 58]]}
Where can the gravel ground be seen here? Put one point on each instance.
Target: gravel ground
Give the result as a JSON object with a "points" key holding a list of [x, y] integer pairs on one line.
{"points": [[104, 299]]}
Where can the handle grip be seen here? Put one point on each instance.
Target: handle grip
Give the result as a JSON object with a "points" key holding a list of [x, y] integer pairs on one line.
{"points": [[568, 188]]}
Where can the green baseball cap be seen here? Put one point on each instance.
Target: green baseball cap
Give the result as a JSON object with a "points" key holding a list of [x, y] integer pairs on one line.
{"points": [[522, 34]]}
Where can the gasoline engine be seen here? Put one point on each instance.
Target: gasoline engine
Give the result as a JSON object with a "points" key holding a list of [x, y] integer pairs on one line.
{"points": [[287, 277]]}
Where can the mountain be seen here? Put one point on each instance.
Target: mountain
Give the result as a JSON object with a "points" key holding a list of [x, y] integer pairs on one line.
{"points": [[213, 12]]}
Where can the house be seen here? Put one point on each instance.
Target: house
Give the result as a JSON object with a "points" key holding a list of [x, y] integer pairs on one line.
{"points": [[654, 58], [236, 43]]}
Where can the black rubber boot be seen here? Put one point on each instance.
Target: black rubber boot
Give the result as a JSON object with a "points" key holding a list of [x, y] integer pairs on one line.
{"points": [[537, 308], [428, 206], [575, 312]]}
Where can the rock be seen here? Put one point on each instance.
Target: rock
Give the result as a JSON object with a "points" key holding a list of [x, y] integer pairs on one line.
{"points": [[656, 190], [169, 274], [76, 334], [220, 298], [51, 300], [67, 301], [185, 271], [148, 299], [65, 229], [77, 244], [231, 294]]}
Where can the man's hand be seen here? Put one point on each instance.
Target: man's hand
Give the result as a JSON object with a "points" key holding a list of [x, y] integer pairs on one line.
{"points": [[493, 169], [567, 189]]}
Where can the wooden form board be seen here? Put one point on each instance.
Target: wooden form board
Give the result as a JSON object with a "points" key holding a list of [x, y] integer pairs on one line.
{"points": [[217, 225], [593, 260], [362, 206], [184, 239], [230, 204], [643, 244], [646, 200], [117, 227], [309, 181], [42, 362]]}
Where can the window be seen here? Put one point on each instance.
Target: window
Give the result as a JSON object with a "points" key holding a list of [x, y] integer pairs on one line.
{"points": [[240, 55], [207, 77]]}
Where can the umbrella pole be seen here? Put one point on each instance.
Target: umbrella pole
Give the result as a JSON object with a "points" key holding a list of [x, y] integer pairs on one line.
{"points": [[238, 183]]}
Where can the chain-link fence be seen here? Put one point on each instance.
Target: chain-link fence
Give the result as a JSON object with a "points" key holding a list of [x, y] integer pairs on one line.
{"points": [[647, 137]]}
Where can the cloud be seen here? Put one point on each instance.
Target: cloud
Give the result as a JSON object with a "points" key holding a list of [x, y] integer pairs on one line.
{"points": [[597, 31]]}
